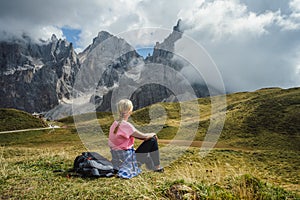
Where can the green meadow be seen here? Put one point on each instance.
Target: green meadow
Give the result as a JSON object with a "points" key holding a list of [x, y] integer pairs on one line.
{"points": [[256, 156]]}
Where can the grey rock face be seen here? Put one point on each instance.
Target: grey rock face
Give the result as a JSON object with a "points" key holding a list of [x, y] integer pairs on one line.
{"points": [[147, 94], [35, 77], [154, 93], [164, 52], [43, 77]]}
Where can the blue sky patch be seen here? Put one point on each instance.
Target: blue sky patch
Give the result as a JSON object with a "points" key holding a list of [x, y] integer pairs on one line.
{"points": [[144, 51], [72, 35]]}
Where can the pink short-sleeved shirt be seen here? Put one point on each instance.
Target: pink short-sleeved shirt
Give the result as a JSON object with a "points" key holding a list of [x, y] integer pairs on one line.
{"points": [[122, 139]]}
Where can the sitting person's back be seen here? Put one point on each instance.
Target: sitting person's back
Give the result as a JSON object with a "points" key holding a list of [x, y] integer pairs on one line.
{"points": [[125, 159]]}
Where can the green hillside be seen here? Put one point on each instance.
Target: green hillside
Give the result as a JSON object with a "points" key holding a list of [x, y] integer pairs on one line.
{"points": [[12, 119], [257, 155], [266, 110], [260, 119], [266, 118]]}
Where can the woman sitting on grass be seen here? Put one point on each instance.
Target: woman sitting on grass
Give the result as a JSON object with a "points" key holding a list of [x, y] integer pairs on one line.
{"points": [[125, 159]]}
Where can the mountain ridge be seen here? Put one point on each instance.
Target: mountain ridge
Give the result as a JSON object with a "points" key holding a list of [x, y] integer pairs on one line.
{"points": [[47, 76]]}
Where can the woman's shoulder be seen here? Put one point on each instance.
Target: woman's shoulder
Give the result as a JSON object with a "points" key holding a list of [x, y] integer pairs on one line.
{"points": [[114, 123], [122, 123], [127, 125], [126, 122]]}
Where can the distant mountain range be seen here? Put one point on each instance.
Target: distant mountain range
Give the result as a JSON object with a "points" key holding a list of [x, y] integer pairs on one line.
{"points": [[47, 76]]}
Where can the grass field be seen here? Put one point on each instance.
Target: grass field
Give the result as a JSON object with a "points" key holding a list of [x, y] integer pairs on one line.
{"points": [[257, 156]]}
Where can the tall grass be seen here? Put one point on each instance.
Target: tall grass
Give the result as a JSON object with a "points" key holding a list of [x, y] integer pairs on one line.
{"points": [[27, 172]]}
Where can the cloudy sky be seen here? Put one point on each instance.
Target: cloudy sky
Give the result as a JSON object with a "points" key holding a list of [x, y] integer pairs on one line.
{"points": [[254, 43]]}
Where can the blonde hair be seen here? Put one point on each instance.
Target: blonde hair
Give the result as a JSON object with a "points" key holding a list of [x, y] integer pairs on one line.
{"points": [[124, 107]]}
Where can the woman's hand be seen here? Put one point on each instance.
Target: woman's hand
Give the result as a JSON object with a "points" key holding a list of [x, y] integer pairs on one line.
{"points": [[151, 135]]}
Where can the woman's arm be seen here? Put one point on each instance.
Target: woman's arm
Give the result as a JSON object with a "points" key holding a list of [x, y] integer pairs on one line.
{"points": [[143, 136]]}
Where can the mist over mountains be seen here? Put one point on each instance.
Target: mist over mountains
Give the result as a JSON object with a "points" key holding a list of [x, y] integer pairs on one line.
{"points": [[47, 76]]}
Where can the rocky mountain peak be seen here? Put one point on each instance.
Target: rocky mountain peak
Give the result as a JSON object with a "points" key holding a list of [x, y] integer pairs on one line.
{"points": [[35, 76], [178, 26], [169, 42], [163, 53], [38, 77], [54, 38], [102, 35]]}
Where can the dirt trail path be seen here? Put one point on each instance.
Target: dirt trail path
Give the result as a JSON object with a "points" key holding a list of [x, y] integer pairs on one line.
{"points": [[190, 143], [30, 129], [200, 144]]}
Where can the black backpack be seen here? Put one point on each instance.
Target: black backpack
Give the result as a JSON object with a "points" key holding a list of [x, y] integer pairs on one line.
{"points": [[92, 164]]}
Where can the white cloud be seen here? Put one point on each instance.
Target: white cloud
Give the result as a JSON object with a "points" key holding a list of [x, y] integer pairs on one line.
{"points": [[295, 5], [247, 39], [223, 19], [47, 31], [36, 32], [251, 50]]}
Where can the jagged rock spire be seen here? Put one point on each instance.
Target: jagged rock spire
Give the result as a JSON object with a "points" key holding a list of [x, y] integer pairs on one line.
{"points": [[177, 27], [54, 38]]}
